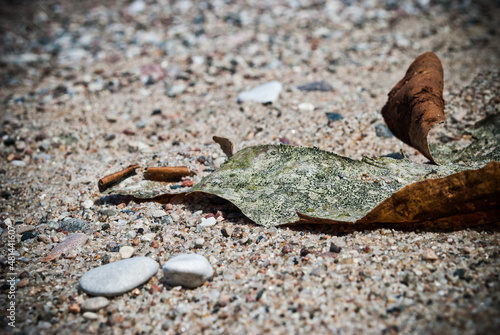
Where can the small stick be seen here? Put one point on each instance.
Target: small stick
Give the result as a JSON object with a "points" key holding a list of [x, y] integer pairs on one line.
{"points": [[116, 178], [166, 173]]}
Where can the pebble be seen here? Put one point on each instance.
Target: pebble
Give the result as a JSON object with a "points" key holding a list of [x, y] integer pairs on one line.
{"points": [[73, 225], [381, 130], [95, 304], [198, 243], [208, 222], [429, 255], [334, 116], [306, 107], [118, 277], [87, 204], [227, 231], [176, 90], [158, 213], [131, 234], [264, 93], [90, 316], [187, 270], [127, 251], [316, 86], [18, 163]]}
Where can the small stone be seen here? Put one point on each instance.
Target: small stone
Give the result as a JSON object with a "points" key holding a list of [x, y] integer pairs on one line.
{"points": [[87, 204], [44, 238], [227, 231], [304, 251], [127, 251], [131, 234], [176, 90], [74, 308], [18, 163], [187, 270], [264, 93], [118, 277], [316, 86], [287, 248], [198, 243], [429, 255], [382, 131], [23, 282], [158, 213], [188, 183], [334, 116], [95, 304], [73, 225], [156, 112], [208, 222], [90, 316], [335, 248], [155, 244], [306, 107]]}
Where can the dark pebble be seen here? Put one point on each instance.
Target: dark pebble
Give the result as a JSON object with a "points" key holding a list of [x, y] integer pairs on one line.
{"points": [[304, 252], [335, 248], [140, 231], [316, 86], [460, 273], [174, 187], [9, 141], [156, 112], [382, 131], [109, 137], [334, 116], [28, 236], [105, 226], [112, 246]]}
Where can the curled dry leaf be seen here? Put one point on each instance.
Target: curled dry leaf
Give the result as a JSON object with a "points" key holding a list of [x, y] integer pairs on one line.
{"points": [[166, 173], [115, 178], [72, 242], [225, 145], [416, 103]]}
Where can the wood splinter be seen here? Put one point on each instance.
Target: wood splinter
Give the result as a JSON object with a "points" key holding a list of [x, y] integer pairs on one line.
{"points": [[116, 178], [166, 173]]}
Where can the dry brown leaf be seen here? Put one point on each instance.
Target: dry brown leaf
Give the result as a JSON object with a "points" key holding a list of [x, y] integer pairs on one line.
{"points": [[166, 173], [464, 194], [225, 145], [416, 103], [72, 242]]}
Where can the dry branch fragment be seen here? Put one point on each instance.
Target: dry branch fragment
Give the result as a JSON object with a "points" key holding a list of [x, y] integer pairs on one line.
{"points": [[416, 103], [117, 177], [167, 173]]}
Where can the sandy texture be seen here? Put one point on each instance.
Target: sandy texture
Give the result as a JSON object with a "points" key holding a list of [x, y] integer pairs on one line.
{"points": [[89, 88]]}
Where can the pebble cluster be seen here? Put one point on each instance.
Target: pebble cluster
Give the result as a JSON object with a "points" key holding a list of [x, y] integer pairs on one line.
{"points": [[88, 88]]}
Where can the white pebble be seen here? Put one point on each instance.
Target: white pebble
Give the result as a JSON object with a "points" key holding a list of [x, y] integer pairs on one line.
{"points": [[208, 222], [267, 92], [126, 251], [94, 304], [306, 107], [187, 270], [118, 277]]}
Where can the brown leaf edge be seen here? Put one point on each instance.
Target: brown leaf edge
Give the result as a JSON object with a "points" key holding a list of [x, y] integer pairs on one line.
{"points": [[416, 103], [463, 199], [225, 144]]}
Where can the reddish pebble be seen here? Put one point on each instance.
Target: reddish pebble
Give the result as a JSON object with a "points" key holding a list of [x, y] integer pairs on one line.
{"points": [[129, 132], [155, 244], [188, 183], [74, 308]]}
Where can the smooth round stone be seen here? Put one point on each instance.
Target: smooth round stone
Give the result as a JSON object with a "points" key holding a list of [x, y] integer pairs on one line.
{"points": [[118, 277], [187, 270], [127, 251], [94, 304], [90, 316]]}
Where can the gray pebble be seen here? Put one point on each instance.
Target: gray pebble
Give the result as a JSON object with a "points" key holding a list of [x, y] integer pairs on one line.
{"points": [[131, 234], [54, 225], [187, 270], [73, 225], [118, 277], [90, 316], [382, 131], [95, 304]]}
